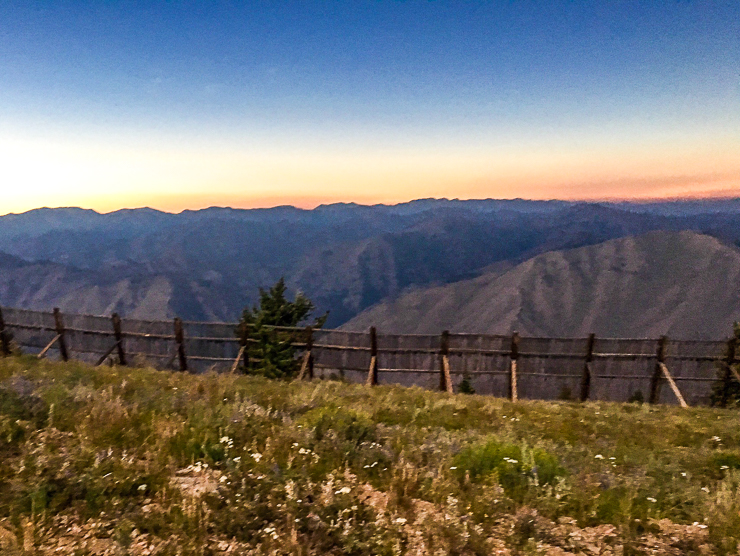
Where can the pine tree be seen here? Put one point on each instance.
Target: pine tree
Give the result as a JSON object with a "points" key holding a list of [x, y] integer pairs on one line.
{"points": [[273, 355]]}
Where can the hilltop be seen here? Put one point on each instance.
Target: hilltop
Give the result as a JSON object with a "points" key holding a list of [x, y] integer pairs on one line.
{"points": [[138, 461]]}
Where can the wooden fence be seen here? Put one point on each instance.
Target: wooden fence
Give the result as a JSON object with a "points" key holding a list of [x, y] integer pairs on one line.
{"points": [[656, 370]]}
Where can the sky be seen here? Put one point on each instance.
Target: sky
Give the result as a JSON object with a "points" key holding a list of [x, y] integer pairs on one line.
{"points": [[181, 105]]}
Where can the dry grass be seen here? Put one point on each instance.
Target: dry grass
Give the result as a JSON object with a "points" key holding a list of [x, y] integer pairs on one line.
{"points": [[138, 461]]}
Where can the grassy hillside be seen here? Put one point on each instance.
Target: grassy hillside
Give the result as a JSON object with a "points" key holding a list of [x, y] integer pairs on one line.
{"points": [[138, 461], [681, 284]]}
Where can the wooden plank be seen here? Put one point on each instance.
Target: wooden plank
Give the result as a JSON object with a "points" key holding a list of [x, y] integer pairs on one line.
{"points": [[372, 373], [171, 360], [59, 326], [238, 359], [106, 355], [180, 344], [671, 382], [444, 352], [514, 356], [48, 347], [586, 378], [304, 366], [372, 376], [309, 352], [657, 373], [245, 341], [448, 378], [4, 340], [118, 334]]}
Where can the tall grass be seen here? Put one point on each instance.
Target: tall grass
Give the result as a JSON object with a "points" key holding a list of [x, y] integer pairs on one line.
{"points": [[134, 460]]}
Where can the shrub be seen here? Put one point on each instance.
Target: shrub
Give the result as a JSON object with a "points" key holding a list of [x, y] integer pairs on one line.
{"points": [[511, 465], [465, 386]]}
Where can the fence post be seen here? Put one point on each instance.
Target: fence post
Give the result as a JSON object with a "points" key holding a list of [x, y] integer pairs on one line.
{"points": [[372, 375], [309, 350], [4, 340], [119, 338], [513, 383], [655, 380], [445, 382], [59, 325], [729, 362], [586, 379], [180, 341], [245, 345]]}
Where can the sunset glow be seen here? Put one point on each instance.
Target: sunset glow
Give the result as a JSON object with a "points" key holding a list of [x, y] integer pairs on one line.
{"points": [[189, 108]]}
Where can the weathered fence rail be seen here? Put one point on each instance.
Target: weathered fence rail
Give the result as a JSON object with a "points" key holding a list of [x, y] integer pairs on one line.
{"points": [[501, 365]]}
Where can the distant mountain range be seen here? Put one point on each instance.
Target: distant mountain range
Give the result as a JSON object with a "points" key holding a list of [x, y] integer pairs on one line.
{"points": [[209, 264], [682, 284]]}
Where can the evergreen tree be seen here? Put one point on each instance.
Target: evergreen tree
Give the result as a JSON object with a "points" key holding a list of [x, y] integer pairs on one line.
{"points": [[466, 387], [273, 355]]}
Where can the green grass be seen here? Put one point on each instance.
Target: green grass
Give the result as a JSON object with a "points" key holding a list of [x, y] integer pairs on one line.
{"points": [[129, 460]]}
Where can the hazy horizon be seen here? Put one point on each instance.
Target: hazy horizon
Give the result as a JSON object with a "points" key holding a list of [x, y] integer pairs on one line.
{"points": [[645, 201]]}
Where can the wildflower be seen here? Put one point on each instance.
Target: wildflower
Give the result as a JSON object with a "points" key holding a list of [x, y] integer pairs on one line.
{"points": [[598, 456], [257, 457], [705, 489], [400, 520], [725, 467], [141, 488], [651, 499], [343, 490], [237, 459], [716, 439], [453, 468]]}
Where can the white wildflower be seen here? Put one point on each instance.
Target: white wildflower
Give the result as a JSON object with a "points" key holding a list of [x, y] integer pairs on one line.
{"points": [[141, 488], [651, 499], [598, 456], [257, 456], [400, 520], [343, 490]]}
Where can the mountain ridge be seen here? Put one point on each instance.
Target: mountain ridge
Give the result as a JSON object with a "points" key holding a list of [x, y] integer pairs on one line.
{"points": [[345, 257], [643, 286]]}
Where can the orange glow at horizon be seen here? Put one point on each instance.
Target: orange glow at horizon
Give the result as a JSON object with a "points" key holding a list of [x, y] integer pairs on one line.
{"points": [[37, 172]]}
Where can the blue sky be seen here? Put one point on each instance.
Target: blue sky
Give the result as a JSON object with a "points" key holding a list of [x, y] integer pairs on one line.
{"points": [[186, 104]]}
